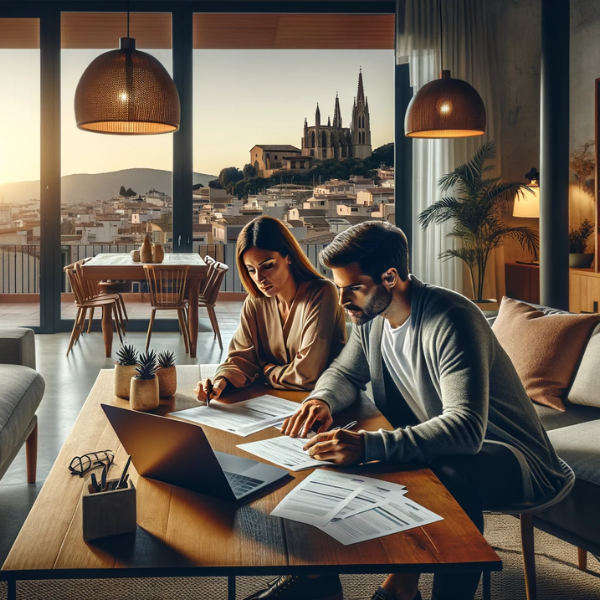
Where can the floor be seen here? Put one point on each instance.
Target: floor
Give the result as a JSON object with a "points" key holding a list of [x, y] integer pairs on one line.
{"points": [[68, 382]]}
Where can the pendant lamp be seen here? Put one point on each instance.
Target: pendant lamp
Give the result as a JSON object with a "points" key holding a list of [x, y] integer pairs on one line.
{"points": [[127, 92], [446, 107]]}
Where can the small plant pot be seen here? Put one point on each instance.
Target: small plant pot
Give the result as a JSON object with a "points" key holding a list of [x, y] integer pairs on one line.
{"points": [[581, 261], [143, 394], [167, 381], [123, 377]]}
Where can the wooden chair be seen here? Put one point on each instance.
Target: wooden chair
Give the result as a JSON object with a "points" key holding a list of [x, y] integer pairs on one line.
{"points": [[84, 301], [166, 285], [209, 260], [208, 295]]}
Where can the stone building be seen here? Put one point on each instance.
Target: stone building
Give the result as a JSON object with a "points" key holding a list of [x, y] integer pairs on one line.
{"points": [[333, 140]]}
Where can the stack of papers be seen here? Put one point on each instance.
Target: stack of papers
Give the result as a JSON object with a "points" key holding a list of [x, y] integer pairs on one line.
{"points": [[351, 508], [241, 418]]}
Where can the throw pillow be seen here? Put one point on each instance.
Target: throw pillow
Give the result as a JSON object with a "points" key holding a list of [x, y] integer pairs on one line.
{"points": [[585, 389], [545, 349]]}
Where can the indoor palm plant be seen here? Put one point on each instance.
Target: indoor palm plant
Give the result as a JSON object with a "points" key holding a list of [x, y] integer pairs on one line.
{"points": [[476, 210]]}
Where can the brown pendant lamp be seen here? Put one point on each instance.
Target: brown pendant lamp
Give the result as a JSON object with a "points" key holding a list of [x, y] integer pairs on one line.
{"points": [[446, 107], [127, 92]]}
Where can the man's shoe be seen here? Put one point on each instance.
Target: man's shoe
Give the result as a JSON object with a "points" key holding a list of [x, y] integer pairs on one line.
{"points": [[382, 594], [299, 587]]}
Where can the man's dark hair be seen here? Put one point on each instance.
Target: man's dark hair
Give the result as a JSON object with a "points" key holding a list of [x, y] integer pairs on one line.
{"points": [[375, 245]]}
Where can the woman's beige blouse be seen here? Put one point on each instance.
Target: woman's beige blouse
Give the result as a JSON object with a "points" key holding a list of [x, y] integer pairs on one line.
{"points": [[302, 348]]}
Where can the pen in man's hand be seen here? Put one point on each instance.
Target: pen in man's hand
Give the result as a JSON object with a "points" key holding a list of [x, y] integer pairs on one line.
{"points": [[347, 426], [209, 391]]}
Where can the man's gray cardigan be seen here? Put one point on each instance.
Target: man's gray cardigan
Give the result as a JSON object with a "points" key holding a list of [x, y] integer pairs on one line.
{"points": [[467, 383]]}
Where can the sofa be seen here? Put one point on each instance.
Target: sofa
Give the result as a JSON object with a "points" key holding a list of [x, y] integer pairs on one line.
{"points": [[21, 391], [575, 435]]}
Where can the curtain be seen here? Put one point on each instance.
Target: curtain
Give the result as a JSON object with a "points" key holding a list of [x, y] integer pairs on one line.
{"points": [[469, 53]]}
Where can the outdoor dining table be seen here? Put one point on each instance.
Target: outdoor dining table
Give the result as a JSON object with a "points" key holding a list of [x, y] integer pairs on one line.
{"points": [[122, 267]]}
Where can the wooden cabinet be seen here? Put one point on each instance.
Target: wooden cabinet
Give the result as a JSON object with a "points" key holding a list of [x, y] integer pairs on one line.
{"points": [[523, 282], [584, 290]]}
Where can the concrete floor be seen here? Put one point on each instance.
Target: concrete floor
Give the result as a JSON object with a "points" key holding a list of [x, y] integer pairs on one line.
{"points": [[68, 382]]}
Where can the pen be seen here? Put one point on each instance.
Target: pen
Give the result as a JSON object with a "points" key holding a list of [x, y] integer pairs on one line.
{"points": [[95, 482], [347, 426], [103, 478], [122, 478], [209, 391]]}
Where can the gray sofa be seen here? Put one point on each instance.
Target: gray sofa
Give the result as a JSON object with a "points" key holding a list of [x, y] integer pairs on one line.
{"points": [[21, 391], [575, 435]]}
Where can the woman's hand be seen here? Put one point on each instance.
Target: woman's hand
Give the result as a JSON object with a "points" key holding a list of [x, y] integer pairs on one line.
{"points": [[339, 446], [310, 412], [207, 389]]}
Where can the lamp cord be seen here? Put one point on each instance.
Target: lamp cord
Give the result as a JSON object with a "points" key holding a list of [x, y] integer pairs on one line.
{"points": [[441, 39]]}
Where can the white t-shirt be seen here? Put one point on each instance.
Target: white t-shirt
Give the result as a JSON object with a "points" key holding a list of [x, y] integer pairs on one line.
{"points": [[395, 349]]}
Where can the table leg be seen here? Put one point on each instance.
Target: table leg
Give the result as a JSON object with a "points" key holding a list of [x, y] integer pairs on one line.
{"points": [[231, 587], [487, 585], [12, 589], [107, 329], [193, 294]]}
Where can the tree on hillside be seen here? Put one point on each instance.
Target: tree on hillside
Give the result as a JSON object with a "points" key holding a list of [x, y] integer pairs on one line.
{"points": [[129, 193], [214, 184], [384, 155], [229, 175], [122, 191], [249, 171]]}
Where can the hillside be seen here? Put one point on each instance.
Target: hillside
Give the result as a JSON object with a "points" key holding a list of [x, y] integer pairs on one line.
{"points": [[86, 187]]}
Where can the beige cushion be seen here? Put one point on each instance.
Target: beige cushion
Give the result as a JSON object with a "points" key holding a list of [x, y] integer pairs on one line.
{"points": [[586, 387], [545, 349]]}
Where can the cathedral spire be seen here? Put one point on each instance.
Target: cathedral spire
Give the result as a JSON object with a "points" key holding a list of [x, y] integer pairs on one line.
{"points": [[317, 116], [337, 114], [361, 90]]}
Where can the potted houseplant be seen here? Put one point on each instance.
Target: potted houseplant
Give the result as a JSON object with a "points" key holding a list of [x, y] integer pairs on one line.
{"points": [[127, 360], [143, 393], [476, 211], [167, 374], [578, 242]]}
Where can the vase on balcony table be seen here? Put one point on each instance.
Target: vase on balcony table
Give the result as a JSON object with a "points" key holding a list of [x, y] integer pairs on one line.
{"points": [[146, 251], [158, 253]]}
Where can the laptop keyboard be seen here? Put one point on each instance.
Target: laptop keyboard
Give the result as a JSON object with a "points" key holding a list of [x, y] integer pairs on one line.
{"points": [[241, 484]]}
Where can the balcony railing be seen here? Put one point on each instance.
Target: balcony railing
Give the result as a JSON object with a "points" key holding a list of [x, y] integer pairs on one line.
{"points": [[20, 265]]}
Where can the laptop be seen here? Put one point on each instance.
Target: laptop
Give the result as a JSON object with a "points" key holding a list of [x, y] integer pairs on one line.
{"points": [[179, 453]]}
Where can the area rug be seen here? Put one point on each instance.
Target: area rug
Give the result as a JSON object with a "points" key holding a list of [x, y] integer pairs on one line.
{"points": [[558, 577]]}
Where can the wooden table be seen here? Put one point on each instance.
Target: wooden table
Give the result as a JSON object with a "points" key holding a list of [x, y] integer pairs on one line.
{"points": [[121, 266], [182, 533]]}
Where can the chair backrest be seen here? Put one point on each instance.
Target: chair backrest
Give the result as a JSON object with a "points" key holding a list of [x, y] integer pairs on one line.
{"points": [[75, 283], [209, 260], [89, 287], [215, 279], [166, 284]]}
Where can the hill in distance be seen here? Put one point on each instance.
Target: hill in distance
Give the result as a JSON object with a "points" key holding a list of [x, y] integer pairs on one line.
{"points": [[100, 186]]}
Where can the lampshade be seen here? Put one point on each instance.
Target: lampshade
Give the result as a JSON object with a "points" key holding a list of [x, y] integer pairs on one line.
{"points": [[527, 204], [445, 108], [127, 92]]}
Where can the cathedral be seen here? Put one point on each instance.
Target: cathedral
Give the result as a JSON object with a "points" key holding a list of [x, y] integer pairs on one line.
{"points": [[334, 141]]}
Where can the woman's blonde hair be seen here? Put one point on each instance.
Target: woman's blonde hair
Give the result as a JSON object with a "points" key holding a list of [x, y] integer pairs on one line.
{"points": [[268, 233]]}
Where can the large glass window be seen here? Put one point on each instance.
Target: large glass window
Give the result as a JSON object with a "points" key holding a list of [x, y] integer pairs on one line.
{"points": [[19, 171], [115, 189], [292, 115]]}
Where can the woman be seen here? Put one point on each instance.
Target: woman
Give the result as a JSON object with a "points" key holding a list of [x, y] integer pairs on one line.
{"points": [[291, 325]]}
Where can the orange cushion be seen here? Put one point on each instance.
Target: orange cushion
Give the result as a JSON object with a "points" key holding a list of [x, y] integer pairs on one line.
{"points": [[545, 349]]}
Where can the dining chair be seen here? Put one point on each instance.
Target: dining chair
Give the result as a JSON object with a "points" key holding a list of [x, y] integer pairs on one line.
{"points": [[166, 284], [208, 296], [83, 301], [208, 260]]}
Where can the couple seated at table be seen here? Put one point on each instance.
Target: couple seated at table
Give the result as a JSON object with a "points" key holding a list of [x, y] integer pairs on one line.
{"points": [[438, 374]]}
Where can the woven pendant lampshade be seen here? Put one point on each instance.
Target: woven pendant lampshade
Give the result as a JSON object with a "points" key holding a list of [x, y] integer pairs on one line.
{"points": [[127, 92], [445, 108]]}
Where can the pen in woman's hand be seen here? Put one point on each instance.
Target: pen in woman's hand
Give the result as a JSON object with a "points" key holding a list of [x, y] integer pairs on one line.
{"points": [[209, 391]]}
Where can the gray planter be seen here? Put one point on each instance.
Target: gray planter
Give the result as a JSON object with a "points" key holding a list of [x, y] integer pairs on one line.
{"points": [[581, 261]]}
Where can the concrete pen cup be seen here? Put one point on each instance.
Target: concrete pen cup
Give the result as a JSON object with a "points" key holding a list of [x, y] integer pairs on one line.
{"points": [[107, 513]]}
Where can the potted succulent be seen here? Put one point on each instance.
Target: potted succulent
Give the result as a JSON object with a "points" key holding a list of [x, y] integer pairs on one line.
{"points": [[167, 374], [143, 393], [578, 242], [127, 360], [476, 210]]}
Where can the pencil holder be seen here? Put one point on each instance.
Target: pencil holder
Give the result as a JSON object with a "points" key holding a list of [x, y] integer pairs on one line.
{"points": [[111, 512]]}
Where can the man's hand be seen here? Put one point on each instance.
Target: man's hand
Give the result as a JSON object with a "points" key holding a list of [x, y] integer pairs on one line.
{"points": [[206, 387], [301, 421], [339, 446]]}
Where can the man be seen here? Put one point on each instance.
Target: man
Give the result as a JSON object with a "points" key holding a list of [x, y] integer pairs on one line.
{"points": [[443, 381]]}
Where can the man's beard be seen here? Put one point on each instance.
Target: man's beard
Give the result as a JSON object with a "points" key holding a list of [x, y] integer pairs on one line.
{"points": [[379, 301]]}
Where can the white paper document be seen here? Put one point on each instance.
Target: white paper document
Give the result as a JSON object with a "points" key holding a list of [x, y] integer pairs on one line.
{"points": [[285, 452], [241, 418], [351, 508], [385, 519], [318, 498]]}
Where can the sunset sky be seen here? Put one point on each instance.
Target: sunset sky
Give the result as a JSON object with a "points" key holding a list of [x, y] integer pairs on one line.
{"points": [[241, 98]]}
